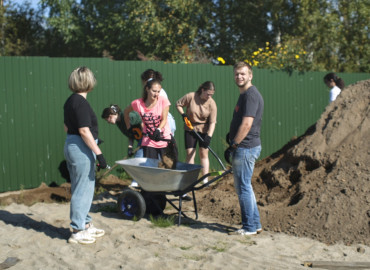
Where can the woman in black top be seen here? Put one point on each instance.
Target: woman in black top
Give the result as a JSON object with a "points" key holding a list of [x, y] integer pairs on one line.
{"points": [[80, 151]]}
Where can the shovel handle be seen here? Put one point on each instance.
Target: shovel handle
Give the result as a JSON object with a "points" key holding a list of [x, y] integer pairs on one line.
{"points": [[190, 126]]}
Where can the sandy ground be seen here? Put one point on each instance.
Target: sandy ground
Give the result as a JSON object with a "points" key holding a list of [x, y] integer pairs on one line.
{"points": [[37, 235]]}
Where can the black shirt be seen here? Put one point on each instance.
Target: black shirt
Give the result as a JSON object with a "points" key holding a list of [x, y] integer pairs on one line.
{"points": [[78, 114], [250, 104]]}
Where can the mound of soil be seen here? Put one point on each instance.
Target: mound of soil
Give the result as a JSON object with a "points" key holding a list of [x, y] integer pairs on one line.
{"points": [[318, 185]]}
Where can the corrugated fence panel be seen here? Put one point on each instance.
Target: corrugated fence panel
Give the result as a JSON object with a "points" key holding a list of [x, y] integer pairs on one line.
{"points": [[34, 89]]}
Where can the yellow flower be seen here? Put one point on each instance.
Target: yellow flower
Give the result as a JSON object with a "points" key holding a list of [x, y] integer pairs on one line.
{"points": [[220, 59], [296, 56], [260, 49], [267, 44], [256, 52], [255, 63], [267, 48]]}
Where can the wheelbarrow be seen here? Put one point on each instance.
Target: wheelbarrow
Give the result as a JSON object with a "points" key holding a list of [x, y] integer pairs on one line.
{"points": [[156, 183]]}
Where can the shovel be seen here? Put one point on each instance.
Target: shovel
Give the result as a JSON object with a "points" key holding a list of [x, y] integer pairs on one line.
{"points": [[115, 165], [190, 126]]}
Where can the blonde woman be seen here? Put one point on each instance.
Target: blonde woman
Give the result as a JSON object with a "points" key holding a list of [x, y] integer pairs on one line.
{"points": [[80, 151]]}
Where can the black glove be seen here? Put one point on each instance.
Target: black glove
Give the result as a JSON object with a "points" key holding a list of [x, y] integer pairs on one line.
{"points": [[156, 135], [130, 152], [102, 164], [130, 133], [206, 141], [228, 153], [184, 115]]}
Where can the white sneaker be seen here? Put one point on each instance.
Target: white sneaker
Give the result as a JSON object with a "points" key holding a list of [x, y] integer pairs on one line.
{"points": [[134, 184], [242, 232], [95, 232], [81, 237]]}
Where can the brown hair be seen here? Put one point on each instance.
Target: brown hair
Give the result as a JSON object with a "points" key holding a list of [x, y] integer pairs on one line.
{"points": [[111, 110], [241, 64], [151, 74], [338, 81], [208, 85]]}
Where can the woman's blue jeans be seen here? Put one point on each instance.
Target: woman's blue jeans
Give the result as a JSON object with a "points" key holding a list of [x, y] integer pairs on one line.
{"points": [[243, 165], [81, 166]]}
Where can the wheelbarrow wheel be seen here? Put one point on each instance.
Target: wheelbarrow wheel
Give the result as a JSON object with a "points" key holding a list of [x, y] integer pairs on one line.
{"points": [[155, 204], [131, 205]]}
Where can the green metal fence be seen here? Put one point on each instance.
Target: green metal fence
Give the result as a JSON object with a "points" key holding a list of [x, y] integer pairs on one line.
{"points": [[34, 89]]}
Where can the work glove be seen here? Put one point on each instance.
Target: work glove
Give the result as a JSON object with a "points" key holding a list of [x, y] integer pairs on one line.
{"points": [[130, 132], [184, 115], [207, 141], [130, 152], [157, 135], [102, 164], [229, 153]]}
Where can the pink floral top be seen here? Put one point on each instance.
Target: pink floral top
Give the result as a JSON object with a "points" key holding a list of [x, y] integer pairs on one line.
{"points": [[151, 119]]}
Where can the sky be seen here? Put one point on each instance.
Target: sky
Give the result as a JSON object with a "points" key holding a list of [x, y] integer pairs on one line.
{"points": [[33, 2]]}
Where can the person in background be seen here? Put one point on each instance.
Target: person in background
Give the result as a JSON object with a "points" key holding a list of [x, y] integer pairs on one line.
{"points": [[114, 115], [335, 84], [245, 146], [152, 74], [201, 111], [80, 151], [153, 110]]}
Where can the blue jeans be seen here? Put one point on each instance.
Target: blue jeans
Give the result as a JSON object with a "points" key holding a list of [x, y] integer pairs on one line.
{"points": [[243, 166], [139, 153], [81, 166]]}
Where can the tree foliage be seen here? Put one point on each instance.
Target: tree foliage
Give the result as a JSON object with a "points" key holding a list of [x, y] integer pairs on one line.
{"points": [[280, 34]]}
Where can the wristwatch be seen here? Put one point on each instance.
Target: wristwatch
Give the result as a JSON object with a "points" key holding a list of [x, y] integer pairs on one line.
{"points": [[233, 144]]}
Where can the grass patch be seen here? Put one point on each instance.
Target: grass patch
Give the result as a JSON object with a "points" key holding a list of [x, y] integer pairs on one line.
{"points": [[122, 174], [220, 247], [194, 257], [99, 190], [185, 248], [247, 241], [162, 221]]}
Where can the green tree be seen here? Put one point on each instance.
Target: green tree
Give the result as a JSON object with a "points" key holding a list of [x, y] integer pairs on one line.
{"points": [[333, 33], [21, 30]]}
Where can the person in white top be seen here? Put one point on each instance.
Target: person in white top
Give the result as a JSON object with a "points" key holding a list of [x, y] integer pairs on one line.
{"points": [[335, 84]]}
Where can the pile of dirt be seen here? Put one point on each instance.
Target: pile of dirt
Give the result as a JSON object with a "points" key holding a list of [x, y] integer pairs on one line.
{"points": [[316, 186]]}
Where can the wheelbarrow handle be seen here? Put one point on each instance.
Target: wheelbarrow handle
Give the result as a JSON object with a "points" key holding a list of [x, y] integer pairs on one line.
{"points": [[190, 126]]}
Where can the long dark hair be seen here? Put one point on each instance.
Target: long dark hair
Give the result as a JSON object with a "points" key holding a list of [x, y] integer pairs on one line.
{"points": [[151, 74], [208, 85], [149, 85], [112, 109], [338, 81]]}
